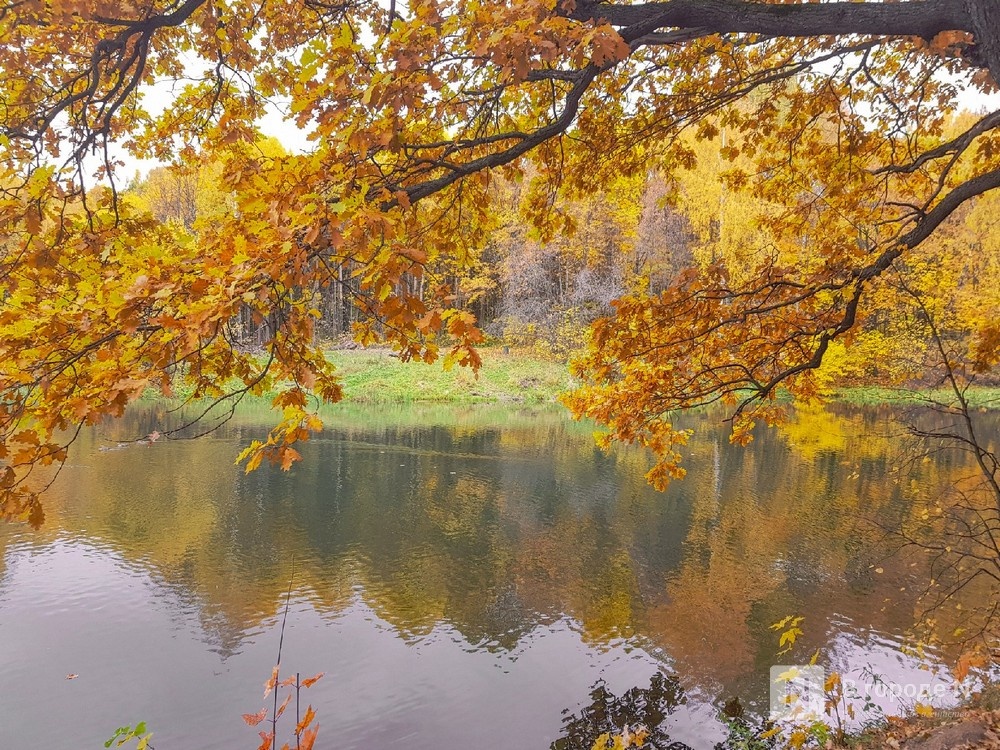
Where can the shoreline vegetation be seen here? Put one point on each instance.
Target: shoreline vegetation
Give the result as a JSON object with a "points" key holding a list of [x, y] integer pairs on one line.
{"points": [[522, 376]]}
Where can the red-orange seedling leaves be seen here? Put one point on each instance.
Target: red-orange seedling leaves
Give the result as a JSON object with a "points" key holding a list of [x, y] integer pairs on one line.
{"points": [[255, 719]]}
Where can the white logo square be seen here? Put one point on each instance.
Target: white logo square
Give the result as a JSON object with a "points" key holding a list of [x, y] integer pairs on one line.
{"points": [[797, 693]]}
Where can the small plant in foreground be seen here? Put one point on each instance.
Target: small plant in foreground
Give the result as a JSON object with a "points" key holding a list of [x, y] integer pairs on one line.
{"points": [[305, 731], [126, 734]]}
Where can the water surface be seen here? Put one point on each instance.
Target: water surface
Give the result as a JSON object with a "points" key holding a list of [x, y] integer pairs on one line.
{"points": [[463, 576]]}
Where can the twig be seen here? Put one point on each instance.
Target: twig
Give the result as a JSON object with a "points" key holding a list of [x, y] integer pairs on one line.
{"points": [[277, 665]]}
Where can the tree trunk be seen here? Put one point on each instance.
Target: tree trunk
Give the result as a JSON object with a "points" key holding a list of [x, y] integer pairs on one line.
{"points": [[985, 16]]}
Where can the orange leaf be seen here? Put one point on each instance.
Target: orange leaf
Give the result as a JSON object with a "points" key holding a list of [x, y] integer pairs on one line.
{"points": [[283, 706], [288, 457], [255, 719], [306, 720], [271, 683], [966, 663], [309, 738], [310, 681], [946, 39]]}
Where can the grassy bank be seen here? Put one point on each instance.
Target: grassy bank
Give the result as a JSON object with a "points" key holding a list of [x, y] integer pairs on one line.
{"points": [[379, 377], [915, 396], [522, 377], [376, 376]]}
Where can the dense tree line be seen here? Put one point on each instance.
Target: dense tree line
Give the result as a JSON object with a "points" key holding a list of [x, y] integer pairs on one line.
{"points": [[539, 290]]}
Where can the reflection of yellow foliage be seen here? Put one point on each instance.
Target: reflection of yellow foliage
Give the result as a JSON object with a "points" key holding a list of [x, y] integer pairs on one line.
{"points": [[706, 616], [611, 613], [459, 511], [414, 598], [544, 530], [815, 430]]}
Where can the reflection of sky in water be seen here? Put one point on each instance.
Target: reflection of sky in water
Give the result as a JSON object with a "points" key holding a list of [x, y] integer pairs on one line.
{"points": [[883, 671], [455, 582], [142, 655], [72, 608]]}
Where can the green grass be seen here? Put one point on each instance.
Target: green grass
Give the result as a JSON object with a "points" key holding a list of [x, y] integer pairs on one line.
{"points": [[981, 396], [522, 377], [379, 377]]}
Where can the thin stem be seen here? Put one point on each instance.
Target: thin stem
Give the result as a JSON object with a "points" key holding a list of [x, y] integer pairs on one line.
{"points": [[277, 666]]}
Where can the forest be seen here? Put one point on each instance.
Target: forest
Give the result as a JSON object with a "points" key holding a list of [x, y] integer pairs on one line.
{"points": [[636, 236]]}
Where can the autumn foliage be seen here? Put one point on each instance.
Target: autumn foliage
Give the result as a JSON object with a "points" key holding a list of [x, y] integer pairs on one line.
{"points": [[831, 122], [305, 730]]}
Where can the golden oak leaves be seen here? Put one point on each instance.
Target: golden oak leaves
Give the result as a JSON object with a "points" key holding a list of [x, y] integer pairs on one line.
{"points": [[702, 340], [773, 280], [296, 426], [120, 304], [406, 114]]}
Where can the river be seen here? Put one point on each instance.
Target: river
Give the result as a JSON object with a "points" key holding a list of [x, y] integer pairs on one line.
{"points": [[464, 577]]}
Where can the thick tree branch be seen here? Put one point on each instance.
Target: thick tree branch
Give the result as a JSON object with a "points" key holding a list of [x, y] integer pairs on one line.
{"points": [[571, 107], [923, 229], [952, 148], [920, 18], [983, 15], [151, 23]]}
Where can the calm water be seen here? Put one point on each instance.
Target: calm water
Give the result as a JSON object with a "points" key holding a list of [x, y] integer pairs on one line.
{"points": [[464, 577]]}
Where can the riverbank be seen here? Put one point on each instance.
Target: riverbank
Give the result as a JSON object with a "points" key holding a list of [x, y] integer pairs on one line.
{"points": [[975, 726], [979, 397], [520, 376], [377, 376]]}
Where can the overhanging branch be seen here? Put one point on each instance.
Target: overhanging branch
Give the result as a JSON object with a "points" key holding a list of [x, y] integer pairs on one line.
{"points": [[920, 18]]}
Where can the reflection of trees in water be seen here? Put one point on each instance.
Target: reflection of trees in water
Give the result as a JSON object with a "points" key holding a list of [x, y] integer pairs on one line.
{"points": [[637, 708], [497, 528]]}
